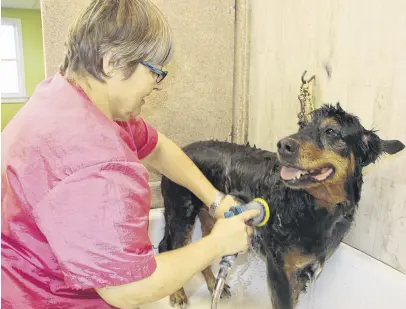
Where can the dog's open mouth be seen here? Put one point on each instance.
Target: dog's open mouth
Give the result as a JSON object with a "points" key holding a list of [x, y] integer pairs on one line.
{"points": [[293, 175]]}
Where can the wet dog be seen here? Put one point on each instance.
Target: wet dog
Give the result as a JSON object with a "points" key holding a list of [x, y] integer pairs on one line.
{"points": [[312, 184]]}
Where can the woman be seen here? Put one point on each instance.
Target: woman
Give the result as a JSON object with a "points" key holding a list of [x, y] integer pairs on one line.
{"points": [[75, 195]]}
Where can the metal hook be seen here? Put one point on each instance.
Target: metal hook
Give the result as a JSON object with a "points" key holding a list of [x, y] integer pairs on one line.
{"points": [[309, 80]]}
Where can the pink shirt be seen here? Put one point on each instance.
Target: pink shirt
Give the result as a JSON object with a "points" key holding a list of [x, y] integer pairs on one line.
{"points": [[75, 201]]}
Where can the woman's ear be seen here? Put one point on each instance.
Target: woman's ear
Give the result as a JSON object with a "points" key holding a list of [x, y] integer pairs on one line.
{"points": [[107, 66]]}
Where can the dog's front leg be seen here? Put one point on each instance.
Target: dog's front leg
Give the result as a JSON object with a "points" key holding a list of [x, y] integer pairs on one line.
{"points": [[281, 293]]}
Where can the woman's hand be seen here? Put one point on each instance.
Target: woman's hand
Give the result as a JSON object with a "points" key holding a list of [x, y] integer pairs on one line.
{"points": [[232, 235], [225, 205], [176, 267]]}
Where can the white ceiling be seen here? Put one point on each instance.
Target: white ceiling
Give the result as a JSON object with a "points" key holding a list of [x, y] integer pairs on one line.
{"points": [[21, 4]]}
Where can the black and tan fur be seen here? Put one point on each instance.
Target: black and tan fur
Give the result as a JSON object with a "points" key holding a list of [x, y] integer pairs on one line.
{"points": [[309, 218]]}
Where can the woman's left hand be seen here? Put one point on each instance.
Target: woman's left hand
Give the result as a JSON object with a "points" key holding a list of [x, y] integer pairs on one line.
{"points": [[225, 205]]}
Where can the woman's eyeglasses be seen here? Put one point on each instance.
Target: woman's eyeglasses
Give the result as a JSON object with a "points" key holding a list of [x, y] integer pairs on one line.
{"points": [[161, 74]]}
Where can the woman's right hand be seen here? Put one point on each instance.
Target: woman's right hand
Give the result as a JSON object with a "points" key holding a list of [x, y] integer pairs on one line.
{"points": [[232, 235]]}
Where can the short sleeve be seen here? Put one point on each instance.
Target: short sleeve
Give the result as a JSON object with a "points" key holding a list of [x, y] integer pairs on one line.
{"points": [[96, 223], [145, 136]]}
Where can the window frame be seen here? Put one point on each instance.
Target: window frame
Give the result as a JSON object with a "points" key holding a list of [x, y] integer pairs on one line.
{"points": [[21, 96]]}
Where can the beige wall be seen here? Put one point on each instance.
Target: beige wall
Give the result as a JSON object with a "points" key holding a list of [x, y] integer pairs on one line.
{"points": [[364, 42], [196, 103]]}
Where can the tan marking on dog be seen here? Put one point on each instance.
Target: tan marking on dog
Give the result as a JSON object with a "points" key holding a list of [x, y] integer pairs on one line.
{"points": [[206, 221], [329, 122], [352, 164], [209, 277], [179, 298], [295, 260], [295, 288], [311, 157], [328, 196], [329, 192], [188, 238]]}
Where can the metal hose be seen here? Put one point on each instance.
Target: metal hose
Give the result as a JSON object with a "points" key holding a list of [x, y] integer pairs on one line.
{"points": [[225, 266]]}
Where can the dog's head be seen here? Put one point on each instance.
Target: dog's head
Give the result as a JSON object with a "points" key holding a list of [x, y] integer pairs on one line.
{"points": [[325, 158], [328, 149]]}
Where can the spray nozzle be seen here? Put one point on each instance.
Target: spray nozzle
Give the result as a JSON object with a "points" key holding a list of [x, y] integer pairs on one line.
{"points": [[259, 204], [227, 261]]}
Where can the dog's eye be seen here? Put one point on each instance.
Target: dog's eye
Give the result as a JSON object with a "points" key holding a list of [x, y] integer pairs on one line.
{"points": [[330, 131]]}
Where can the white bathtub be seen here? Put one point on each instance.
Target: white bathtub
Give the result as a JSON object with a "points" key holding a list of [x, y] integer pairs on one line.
{"points": [[350, 280]]}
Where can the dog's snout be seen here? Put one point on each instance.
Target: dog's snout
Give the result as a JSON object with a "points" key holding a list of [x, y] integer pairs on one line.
{"points": [[287, 147]]}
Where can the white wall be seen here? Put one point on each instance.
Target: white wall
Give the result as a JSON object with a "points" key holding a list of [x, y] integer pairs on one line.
{"points": [[364, 42]]}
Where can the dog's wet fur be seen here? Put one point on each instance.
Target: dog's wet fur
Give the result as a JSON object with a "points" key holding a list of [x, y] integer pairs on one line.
{"points": [[312, 184]]}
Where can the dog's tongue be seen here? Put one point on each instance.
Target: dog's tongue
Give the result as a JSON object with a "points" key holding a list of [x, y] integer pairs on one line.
{"points": [[289, 173], [324, 173]]}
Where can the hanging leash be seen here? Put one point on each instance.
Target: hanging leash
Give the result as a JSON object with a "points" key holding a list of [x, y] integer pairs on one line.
{"points": [[306, 99]]}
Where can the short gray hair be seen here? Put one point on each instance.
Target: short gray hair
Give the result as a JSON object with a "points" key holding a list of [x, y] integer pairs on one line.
{"points": [[131, 30]]}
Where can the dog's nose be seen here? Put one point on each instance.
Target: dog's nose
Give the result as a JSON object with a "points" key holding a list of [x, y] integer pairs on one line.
{"points": [[287, 147]]}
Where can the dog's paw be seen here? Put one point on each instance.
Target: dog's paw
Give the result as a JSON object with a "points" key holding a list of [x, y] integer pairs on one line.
{"points": [[179, 299]]}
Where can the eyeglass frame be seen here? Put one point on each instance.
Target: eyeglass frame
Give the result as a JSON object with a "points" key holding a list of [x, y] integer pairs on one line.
{"points": [[161, 74]]}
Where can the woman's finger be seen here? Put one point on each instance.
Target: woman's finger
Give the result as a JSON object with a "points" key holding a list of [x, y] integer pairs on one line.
{"points": [[249, 214]]}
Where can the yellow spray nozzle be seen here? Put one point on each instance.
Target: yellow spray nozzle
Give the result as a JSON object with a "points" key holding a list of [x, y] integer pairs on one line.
{"points": [[266, 214], [257, 203]]}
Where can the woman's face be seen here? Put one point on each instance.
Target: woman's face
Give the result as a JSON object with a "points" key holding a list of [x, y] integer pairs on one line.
{"points": [[126, 96]]}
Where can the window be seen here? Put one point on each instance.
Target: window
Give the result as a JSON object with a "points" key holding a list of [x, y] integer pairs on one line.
{"points": [[12, 81]]}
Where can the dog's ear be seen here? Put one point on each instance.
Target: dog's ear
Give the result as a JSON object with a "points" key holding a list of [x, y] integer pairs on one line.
{"points": [[372, 147], [393, 146]]}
